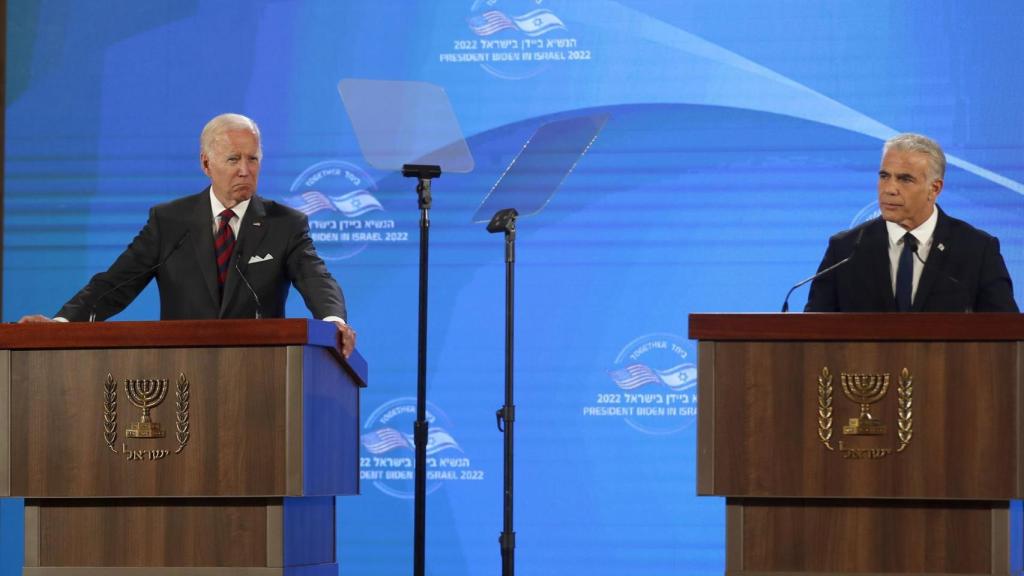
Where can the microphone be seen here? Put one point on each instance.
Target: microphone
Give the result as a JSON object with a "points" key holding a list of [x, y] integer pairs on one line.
{"points": [[913, 249], [259, 308], [856, 244], [150, 270]]}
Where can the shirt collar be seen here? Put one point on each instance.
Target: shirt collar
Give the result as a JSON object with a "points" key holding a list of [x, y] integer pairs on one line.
{"points": [[216, 207], [922, 233]]}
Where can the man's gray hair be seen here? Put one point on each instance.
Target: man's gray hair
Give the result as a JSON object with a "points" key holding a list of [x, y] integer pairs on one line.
{"points": [[224, 123], [909, 142]]}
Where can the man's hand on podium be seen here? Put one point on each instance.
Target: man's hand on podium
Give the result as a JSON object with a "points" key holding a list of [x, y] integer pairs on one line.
{"points": [[35, 319], [348, 338]]}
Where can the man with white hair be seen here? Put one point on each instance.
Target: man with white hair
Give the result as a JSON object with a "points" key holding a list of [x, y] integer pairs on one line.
{"points": [[914, 257], [206, 250]]}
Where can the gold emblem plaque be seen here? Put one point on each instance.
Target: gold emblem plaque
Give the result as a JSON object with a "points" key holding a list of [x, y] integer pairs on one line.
{"points": [[866, 390], [146, 394]]}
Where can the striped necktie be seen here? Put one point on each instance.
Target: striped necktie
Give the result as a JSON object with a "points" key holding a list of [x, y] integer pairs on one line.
{"points": [[223, 246]]}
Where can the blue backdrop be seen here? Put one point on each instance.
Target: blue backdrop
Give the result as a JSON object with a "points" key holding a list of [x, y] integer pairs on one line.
{"points": [[741, 134]]}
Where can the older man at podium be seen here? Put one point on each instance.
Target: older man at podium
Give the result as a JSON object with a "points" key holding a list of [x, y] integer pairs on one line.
{"points": [[914, 257], [222, 253]]}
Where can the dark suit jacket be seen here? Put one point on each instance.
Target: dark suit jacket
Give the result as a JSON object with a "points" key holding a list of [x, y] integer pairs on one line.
{"points": [[180, 235], [964, 272]]}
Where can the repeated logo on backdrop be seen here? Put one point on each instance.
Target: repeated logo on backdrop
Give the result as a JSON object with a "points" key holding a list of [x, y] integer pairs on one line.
{"points": [[514, 39], [345, 216], [388, 450], [869, 212], [652, 386]]}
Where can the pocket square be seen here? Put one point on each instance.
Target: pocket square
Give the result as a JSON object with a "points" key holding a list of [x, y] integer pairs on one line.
{"points": [[256, 259]]}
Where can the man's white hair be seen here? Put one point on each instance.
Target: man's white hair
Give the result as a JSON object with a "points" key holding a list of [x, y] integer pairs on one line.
{"points": [[225, 123], [910, 142]]}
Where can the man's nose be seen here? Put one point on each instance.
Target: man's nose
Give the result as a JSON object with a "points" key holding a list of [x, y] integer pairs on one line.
{"points": [[244, 169]]}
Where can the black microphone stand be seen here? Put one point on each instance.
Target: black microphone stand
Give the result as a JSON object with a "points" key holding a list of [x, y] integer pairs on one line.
{"points": [[505, 221], [423, 173]]}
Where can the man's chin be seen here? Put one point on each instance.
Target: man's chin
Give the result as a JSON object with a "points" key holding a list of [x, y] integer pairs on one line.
{"points": [[890, 215], [242, 194]]}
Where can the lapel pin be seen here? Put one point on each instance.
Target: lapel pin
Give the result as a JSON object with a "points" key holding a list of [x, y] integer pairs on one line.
{"points": [[941, 247], [257, 223]]}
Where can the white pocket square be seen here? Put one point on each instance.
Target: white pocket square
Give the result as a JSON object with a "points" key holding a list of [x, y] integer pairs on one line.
{"points": [[256, 259]]}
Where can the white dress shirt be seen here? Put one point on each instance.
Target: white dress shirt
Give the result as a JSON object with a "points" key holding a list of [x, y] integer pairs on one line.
{"points": [[924, 235]]}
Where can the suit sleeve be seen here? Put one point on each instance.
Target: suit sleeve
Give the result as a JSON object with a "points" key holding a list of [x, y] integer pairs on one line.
{"points": [[822, 295], [995, 289], [132, 267], [309, 274]]}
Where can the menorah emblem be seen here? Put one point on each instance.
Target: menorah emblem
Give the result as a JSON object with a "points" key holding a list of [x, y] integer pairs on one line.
{"points": [[865, 389], [146, 394]]}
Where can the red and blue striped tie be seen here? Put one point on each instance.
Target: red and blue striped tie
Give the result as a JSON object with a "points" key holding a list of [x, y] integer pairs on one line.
{"points": [[223, 246]]}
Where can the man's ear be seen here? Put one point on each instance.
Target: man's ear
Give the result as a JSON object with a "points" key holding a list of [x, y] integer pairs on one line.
{"points": [[936, 189], [204, 163]]}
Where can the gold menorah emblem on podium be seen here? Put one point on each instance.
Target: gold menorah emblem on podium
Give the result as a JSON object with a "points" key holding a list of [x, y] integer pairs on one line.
{"points": [[146, 394], [864, 389]]}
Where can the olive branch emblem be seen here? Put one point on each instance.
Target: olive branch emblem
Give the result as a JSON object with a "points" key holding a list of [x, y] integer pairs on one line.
{"points": [[181, 417], [110, 413], [905, 409], [825, 408]]}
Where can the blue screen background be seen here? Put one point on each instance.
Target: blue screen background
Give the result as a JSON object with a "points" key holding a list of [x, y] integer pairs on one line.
{"points": [[740, 135]]}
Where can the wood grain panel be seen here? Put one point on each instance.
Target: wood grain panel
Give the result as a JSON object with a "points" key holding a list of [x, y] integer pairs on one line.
{"points": [[852, 536], [706, 418], [237, 424], [184, 532], [5, 419], [965, 413], [146, 532]]}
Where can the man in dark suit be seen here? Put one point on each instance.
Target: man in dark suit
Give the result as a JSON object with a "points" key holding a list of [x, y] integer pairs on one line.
{"points": [[204, 248], [914, 257]]}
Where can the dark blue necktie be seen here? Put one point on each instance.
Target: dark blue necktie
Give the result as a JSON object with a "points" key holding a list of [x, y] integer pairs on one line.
{"points": [[905, 273]]}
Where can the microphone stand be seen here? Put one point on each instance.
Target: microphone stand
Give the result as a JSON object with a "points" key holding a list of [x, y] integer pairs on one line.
{"points": [[505, 221], [423, 173], [785, 303]]}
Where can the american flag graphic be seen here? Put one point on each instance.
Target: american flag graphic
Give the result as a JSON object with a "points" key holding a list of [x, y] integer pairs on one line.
{"points": [[387, 439], [312, 202], [490, 22], [634, 376]]}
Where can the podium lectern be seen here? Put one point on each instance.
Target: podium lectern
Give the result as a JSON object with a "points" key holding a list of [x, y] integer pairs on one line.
{"points": [[193, 448], [863, 443]]}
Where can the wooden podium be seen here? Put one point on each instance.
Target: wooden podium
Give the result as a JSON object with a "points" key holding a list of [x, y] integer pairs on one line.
{"points": [[191, 448], [864, 443]]}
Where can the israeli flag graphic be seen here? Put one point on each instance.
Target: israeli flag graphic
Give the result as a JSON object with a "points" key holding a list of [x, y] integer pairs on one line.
{"points": [[356, 203], [538, 22]]}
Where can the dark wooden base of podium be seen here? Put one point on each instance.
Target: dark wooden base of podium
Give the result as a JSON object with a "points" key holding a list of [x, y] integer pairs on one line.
{"points": [[184, 537], [824, 536]]}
